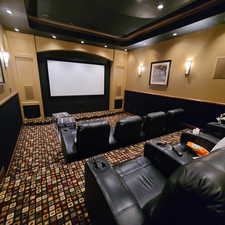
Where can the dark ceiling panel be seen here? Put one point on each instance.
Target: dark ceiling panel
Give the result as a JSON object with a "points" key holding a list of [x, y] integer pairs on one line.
{"points": [[112, 17], [110, 20]]}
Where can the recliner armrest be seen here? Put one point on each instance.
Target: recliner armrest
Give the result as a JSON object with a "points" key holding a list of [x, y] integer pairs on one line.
{"points": [[216, 129], [107, 198], [68, 137], [205, 140], [163, 157]]}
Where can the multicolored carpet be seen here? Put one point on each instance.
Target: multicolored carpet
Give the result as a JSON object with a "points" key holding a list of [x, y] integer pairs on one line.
{"points": [[40, 189]]}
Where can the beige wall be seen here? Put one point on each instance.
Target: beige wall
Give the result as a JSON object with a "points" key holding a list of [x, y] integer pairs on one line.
{"points": [[202, 47], [23, 50], [7, 89]]}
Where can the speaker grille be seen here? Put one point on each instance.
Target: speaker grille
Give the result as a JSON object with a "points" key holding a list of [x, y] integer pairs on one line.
{"points": [[220, 68], [118, 91], [29, 93]]}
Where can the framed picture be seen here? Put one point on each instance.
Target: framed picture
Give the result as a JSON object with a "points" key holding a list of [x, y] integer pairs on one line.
{"points": [[2, 81], [159, 73]]}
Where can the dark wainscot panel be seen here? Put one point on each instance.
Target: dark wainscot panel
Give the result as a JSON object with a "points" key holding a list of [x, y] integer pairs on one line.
{"points": [[197, 113], [11, 121]]}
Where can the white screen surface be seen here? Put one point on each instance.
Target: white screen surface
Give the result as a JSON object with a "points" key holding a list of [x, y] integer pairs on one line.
{"points": [[71, 78]]}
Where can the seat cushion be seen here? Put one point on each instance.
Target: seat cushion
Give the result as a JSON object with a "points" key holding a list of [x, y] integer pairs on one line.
{"points": [[142, 179]]}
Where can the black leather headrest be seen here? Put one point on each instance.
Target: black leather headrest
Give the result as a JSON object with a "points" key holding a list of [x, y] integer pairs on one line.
{"points": [[128, 128], [155, 115], [196, 189], [175, 112], [101, 124]]}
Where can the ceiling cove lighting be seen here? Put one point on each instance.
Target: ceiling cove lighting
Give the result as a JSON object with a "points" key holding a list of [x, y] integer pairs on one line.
{"points": [[9, 11], [17, 29], [160, 6], [53, 36], [82, 42]]}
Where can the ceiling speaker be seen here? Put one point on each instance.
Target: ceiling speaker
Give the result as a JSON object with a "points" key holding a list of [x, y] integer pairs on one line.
{"points": [[29, 93], [220, 68]]}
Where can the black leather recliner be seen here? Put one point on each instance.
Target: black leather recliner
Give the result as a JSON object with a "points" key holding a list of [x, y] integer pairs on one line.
{"points": [[88, 139], [175, 119], [138, 193], [127, 131], [154, 124], [92, 137]]}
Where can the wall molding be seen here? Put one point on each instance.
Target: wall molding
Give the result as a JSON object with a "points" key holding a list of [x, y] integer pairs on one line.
{"points": [[176, 97], [7, 98]]}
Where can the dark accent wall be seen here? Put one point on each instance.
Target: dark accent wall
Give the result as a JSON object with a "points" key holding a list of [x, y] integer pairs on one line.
{"points": [[72, 104], [196, 113], [10, 124]]}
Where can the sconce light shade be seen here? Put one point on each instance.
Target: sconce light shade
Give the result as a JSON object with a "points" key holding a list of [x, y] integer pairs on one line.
{"points": [[5, 58], [188, 65], [140, 69]]}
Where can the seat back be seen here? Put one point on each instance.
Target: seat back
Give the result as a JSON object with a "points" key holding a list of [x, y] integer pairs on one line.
{"points": [[194, 194], [155, 124], [175, 119], [128, 130], [92, 137]]}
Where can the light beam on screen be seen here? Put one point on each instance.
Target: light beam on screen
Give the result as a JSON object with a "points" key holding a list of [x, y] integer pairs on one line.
{"points": [[75, 79]]}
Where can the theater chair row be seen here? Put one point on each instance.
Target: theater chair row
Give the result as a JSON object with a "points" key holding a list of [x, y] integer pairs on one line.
{"points": [[161, 187], [94, 137]]}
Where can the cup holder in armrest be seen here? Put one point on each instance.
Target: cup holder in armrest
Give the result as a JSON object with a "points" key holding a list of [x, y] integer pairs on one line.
{"points": [[161, 143]]}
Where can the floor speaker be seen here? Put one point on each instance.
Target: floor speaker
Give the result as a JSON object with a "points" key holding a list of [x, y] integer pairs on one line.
{"points": [[31, 111]]}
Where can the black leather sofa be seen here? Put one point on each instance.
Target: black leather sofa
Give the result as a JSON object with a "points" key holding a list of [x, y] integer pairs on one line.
{"points": [[138, 192], [95, 137]]}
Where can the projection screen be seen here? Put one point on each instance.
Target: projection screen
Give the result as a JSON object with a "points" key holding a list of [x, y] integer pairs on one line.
{"points": [[75, 79]]}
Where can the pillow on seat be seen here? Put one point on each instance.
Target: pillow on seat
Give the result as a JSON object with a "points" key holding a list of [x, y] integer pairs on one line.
{"points": [[220, 144]]}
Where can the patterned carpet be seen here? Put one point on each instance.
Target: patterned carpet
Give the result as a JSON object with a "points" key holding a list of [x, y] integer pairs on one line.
{"points": [[40, 189], [77, 116]]}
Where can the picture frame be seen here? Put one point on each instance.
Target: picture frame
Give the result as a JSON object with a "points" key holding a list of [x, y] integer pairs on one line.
{"points": [[2, 80], [159, 73]]}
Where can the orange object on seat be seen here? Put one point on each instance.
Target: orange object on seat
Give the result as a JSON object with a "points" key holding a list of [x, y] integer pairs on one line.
{"points": [[199, 150]]}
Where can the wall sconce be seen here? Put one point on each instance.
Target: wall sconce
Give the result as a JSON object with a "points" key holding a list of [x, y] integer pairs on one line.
{"points": [[5, 58], [141, 68], [188, 65]]}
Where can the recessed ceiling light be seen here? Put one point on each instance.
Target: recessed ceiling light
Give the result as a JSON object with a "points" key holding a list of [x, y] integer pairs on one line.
{"points": [[160, 6], [9, 11], [17, 30], [53, 36], [174, 34], [82, 42], [125, 50], [105, 46]]}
